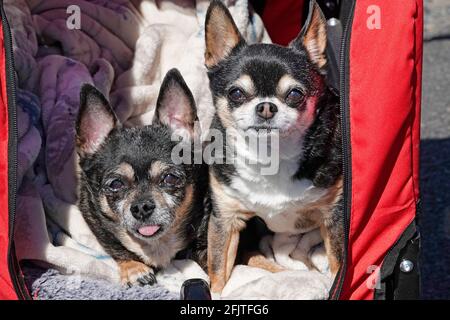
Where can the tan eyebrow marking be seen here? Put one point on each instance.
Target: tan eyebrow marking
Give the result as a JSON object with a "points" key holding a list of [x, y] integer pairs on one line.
{"points": [[287, 83], [245, 82], [157, 168], [125, 170]]}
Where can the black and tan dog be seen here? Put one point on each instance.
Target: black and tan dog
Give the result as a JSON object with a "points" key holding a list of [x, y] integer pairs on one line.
{"points": [[142, 207], [276, 92]]}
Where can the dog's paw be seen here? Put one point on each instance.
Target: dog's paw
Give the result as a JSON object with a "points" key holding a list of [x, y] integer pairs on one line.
{"points": [[136, 273]]}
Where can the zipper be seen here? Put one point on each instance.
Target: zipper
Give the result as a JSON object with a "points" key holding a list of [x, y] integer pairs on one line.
{"points": [[14, 269], [336, 289]]}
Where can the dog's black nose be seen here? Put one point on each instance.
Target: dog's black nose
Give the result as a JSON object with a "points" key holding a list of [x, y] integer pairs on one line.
{"points": [[142, 210], [266, 110]]}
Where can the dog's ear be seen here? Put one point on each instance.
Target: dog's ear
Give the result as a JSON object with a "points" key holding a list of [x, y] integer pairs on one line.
{"points": [[175, 107], [95, 121], [313, 37], [221, 34]]}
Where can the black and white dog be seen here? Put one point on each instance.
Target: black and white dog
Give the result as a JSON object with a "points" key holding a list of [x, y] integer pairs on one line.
{"points": [[273, 92], [142, 207]]}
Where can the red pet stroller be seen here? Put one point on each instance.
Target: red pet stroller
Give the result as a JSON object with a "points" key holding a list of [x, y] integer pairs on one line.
{"points": [[378, 72]]}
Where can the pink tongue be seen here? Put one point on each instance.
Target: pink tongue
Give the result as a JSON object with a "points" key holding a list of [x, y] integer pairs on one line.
{"points": [[148, 231]]}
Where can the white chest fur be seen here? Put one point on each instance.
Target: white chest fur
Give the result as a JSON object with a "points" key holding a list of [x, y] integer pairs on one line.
{"points": [[278, 198]]}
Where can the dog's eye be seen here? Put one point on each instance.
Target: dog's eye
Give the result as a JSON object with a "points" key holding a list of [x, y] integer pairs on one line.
{"points": [[116, 185], [294, 97], [236, 95], [171, 180]]}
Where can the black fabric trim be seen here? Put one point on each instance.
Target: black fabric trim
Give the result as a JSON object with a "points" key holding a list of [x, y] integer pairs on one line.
{"points": [[258, 6], [330, 8], [391, 258], [395, 284], [338, 283], [13, 265], [346, 9]]}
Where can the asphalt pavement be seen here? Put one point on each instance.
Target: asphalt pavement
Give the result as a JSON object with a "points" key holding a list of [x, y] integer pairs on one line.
{"points": [[435, 152]]}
